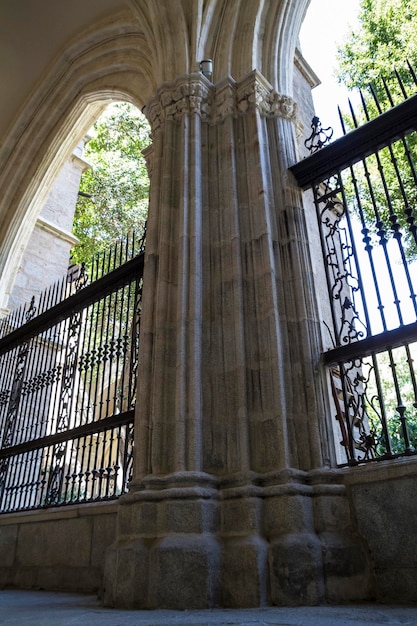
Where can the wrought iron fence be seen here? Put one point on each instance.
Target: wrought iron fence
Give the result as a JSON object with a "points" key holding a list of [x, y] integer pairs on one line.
{"points": [[68, 369], [365, 193]]}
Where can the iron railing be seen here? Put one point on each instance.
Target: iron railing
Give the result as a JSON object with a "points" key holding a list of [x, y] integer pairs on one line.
{"points": [[365, 193], [68, 369]]}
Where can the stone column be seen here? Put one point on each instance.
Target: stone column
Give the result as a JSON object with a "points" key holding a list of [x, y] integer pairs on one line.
{"points": [[230, 419], [168, 553]]}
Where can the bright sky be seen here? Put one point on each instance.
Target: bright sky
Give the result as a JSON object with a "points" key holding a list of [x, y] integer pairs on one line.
{"points": [[326, 25]]}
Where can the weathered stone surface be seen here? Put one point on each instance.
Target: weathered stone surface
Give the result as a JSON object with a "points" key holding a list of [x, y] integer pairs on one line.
{"points": [[384, 502], [63, 542], [228, 379], [346, 568], [126, 562], [296, 570], [287, 514], [82, 579], [56, 549], [8, 538], [102, 535], [244, 572], [184, 572], [241, 516]]}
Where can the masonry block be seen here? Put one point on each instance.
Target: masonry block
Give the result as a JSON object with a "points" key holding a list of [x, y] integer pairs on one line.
{"points": [[126, 575], [185, 572], [295, 563], [244, 573], [55, 543]]}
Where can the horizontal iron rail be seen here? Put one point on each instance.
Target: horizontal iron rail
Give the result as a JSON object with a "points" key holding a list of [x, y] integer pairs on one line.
{"points": [[77, 302], [389, 339], [92, 428], [357, 144]]}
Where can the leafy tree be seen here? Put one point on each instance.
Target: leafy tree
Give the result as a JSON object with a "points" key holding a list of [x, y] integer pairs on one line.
{"points": [[382, 53], [403, 367], [386, 38], [114, 192]]}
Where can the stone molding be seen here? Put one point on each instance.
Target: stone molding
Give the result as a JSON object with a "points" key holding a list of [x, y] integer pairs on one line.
{"points": [[56, 231], [72, 511], [148, 156], [200, 485], [80, 162], [214, 103], [306, 70], [369, 473]]}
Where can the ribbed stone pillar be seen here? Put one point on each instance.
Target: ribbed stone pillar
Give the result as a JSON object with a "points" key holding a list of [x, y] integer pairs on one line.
{"points": [[222, 509]]}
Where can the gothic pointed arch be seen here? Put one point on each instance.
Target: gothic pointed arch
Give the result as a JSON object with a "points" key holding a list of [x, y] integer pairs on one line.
{"points": [[108, 62]]}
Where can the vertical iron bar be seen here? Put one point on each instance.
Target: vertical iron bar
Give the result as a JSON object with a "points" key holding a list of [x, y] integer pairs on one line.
{"points": [[93, 361], [407, 210], [109, 467], [401, 408], [380, 393], [412, 373], [388, 92], [101, 351], [81, 470], [401, 84], [412, 72], [88, 472], [136, 288], [110, 352], [368, 249], [381, 232]]}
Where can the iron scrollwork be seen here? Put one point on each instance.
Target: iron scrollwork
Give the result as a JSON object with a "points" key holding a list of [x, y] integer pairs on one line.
{"points": [[68, 393], [69, 371], [343, 283], [319, 136]]}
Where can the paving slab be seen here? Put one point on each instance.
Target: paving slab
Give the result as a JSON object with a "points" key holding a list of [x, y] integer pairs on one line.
{"points": [[41, 608]]}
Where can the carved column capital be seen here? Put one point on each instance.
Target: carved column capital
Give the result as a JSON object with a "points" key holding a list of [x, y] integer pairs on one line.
{"points": [[188, 94], [224, 104], [255, 92], [213, 103]]}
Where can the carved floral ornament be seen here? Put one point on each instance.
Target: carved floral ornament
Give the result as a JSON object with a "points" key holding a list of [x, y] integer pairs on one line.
{"points": [[213, 103]]}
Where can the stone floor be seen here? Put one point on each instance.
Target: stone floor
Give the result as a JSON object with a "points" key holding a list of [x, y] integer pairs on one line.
{"points": [[41, 608]]}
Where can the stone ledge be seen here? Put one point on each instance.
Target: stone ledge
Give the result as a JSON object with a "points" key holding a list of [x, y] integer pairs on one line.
{"points": [[53, 514], [379, 471], [306, 69], [56, 231]]}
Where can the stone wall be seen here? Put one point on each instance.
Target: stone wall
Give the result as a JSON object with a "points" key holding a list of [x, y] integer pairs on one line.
{"points": [[384, 503], [45, 257], [56, 549]]}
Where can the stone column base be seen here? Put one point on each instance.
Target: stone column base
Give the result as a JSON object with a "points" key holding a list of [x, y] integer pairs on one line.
{"points": [[167, 554], [195, 547]]}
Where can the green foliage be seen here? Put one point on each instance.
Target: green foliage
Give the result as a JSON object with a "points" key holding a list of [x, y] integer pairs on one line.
{"points": [[114, 192], [385, 41], [387, 37], [392, 400]]}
